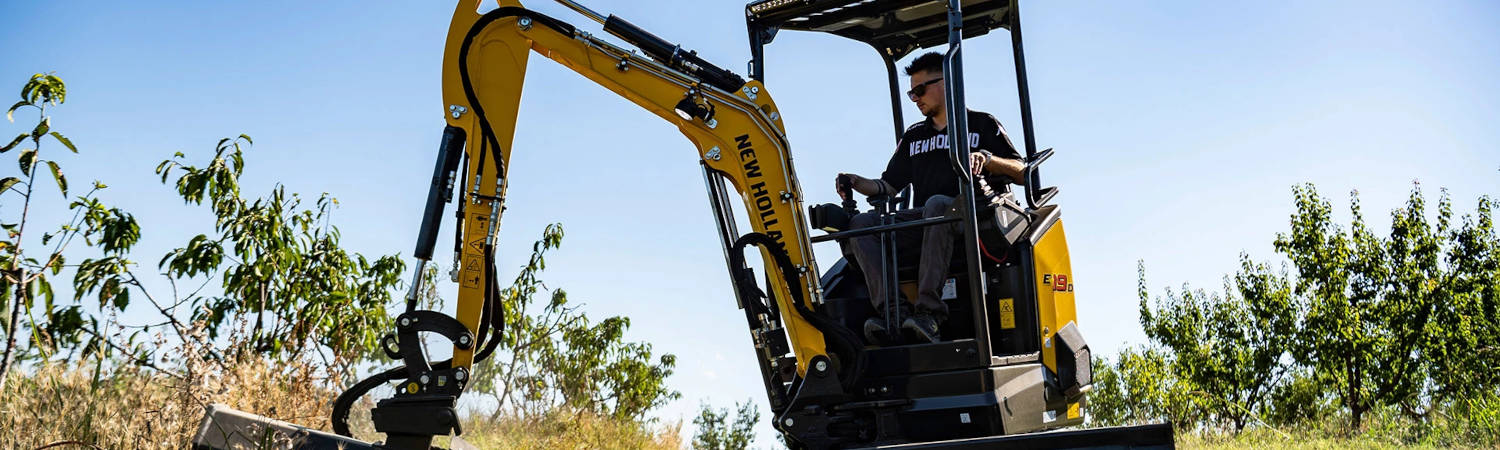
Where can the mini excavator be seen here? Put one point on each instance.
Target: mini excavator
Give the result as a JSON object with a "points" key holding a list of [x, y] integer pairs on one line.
{"points": [[1012, 365]]}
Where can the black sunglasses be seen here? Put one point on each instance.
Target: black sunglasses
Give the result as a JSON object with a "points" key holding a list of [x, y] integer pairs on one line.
{"points": [[921, 88]]}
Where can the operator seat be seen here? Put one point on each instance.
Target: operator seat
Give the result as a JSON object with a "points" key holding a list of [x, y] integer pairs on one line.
{"points": [[1000, 224]]}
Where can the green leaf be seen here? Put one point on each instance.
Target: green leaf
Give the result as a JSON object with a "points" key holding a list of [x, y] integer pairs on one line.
{"points": [[10, 114], [62, 182], [29, 88], [246, 137], [13, 143], [122, 299], [65, 142], [44, 288], [57, 90], [42, 128], [28, 158], [57, 263], [7, 183]]}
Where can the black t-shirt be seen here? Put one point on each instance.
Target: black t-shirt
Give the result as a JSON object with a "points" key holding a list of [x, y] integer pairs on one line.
{"points": [[921, 158]]}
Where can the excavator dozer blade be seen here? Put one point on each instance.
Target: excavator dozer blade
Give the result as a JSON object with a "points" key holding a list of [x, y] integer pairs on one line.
{"points": [[224, 428], [1154, 436]]}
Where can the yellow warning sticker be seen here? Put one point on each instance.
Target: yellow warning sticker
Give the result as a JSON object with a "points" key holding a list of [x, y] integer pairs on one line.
{"points": [[1073, 410], [1007, 313]]}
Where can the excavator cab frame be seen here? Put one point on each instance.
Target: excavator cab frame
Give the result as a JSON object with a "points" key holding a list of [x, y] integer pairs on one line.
{"points": [[895, 29], [998, 378], [1019, 364]]}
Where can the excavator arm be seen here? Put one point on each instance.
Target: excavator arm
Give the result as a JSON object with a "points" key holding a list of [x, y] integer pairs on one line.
{"points": [[737, 133]]}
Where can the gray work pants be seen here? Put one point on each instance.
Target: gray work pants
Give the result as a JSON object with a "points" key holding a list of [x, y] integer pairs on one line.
{"points": [[934, 243]]}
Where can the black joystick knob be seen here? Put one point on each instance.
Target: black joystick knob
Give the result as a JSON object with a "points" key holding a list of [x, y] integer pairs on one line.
{"points": [[846, 191]]}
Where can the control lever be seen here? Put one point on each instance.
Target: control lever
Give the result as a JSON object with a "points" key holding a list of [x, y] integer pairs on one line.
{"points": [[845, 186]]}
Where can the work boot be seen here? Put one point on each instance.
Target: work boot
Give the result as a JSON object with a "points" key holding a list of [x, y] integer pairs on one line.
{"points": [[923, 325], [875, 332]]}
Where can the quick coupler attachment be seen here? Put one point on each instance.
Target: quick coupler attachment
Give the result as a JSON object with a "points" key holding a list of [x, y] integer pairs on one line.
{"points": [[423, 377]]}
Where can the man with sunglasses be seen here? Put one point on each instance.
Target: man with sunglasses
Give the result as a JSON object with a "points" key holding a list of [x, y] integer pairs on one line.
{"points": [[921, 160]]}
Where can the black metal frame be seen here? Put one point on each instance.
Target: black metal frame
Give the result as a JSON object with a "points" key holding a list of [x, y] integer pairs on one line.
{"points": [[893, 40], [813, 15], [891, 44], [958, 148]]}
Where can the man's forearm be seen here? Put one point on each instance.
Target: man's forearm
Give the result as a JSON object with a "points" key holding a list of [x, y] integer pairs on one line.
{"points": [[869, 186], [1005, 166]]}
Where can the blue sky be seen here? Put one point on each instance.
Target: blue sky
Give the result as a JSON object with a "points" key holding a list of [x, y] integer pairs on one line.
{"points": [[1180, 127]]}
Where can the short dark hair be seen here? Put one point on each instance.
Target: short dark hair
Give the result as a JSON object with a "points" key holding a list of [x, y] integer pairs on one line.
{"points": [[932, 61]]}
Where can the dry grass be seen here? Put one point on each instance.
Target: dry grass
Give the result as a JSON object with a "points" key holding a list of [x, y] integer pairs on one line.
{"points": [[82, 407], [569, 431], [137, 409]]}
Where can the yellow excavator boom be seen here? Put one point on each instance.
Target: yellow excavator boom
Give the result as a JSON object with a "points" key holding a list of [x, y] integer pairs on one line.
{"points": [[484, 71]]}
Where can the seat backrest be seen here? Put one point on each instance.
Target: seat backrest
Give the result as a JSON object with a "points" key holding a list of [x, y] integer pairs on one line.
{"points": [[1002, 220]]}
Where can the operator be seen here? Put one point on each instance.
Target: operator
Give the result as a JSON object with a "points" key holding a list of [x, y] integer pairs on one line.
{"points": [[921, 160]]}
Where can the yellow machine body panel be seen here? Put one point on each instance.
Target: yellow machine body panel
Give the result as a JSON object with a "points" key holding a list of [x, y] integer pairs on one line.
{"points": [[744, 142], [1054, 288]]}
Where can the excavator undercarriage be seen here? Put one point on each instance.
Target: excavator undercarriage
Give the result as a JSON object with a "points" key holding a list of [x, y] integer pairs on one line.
{"points": [[1012, 363]]}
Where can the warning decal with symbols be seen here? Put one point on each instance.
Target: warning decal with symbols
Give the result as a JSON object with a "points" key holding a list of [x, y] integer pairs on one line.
{"points": [[1007, 313]]}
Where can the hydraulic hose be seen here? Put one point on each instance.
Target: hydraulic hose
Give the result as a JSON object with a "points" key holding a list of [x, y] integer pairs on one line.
{"points": [[345, 401], [463, 60], [844, 342]]}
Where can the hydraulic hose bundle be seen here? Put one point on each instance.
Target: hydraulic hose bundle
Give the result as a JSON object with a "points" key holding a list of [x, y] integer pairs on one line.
{"points": [[844, 342]]}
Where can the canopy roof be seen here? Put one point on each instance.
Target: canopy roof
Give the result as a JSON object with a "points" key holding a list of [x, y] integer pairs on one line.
{"points": [[895, 27]]}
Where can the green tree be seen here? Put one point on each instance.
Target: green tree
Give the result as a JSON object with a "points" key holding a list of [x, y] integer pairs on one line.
{"points": [[26, 277], [1297, 400], [1464, 334], [278, 263], [1389, 320], [553, 356], [717, 432], [1229, 346], [1141, 387], [1338, 276], [1406, 320]]}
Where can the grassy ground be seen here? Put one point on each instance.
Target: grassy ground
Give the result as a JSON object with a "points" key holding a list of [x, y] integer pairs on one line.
{"points": [[1382, 429], [79, 407], [1263, 438]]}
